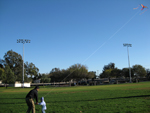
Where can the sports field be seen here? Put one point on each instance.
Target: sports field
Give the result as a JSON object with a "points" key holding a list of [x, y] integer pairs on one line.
{"points": [[121, 98]]}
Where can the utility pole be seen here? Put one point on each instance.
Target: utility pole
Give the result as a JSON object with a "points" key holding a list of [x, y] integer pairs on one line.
{"points": [[128, 45], [23, 41]]}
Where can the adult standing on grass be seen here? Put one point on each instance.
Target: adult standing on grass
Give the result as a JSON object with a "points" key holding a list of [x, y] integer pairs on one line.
{"points": [[30, 99]]}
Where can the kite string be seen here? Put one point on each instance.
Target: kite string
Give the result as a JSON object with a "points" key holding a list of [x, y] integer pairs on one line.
{"points": [[110, 37], [61, 81], [97, 48]]}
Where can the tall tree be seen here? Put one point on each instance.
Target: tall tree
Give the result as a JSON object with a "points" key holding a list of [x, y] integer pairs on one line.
{"points": [[55, 75], [107, 69], [31, 70], [66, 75], [125, 72], [90, 74], [78, 71], [1, 63], [9, 75], [148, 73], [14, 61], [139, 71], [116, 73], [109, 66], [2, 74], [45, 78], [108, 73]]}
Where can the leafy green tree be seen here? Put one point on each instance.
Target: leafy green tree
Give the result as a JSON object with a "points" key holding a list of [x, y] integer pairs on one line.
{"points": [[78, 71], [116, 73], [107, 71], [90, 75], [125, 72], [81, 72], [9, 75], [45, 79], [109, 66], [65, 75], [1, 63], [139, 71], [55, 75], [2, 74], [31, 70], [14, 61], [148, 73]]}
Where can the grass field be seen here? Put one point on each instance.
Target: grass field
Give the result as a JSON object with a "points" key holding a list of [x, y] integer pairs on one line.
{"points": [[121, 98]]}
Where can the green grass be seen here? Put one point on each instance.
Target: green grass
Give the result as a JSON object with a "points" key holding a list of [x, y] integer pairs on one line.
{"points": [[121, 98]]}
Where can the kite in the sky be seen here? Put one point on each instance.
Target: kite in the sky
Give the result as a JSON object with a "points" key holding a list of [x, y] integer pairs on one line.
{"points": [[142, 8]]}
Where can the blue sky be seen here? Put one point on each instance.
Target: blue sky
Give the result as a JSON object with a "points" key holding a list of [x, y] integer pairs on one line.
{"points": [[67, 32]]}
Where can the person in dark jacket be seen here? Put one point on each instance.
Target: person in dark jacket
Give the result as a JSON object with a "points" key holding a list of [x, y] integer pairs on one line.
{"points": [[33, 94]]}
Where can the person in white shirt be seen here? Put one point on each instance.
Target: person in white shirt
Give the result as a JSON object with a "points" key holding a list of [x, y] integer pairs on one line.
{"points": [[43, 104]]}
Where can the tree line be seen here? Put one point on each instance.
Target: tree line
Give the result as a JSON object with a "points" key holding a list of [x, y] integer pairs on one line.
{"points": [[12, 64], [137, 71]]}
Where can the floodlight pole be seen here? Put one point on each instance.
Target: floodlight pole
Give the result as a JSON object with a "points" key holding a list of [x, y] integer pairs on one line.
{"points": [[128, 45], [97, 73], [23, 69], [23, 41]]}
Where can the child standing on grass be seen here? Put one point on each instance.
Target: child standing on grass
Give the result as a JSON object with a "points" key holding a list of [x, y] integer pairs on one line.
{"points": [[43, 105]]}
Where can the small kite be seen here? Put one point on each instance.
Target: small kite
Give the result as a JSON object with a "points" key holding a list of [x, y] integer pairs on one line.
{"points": [[142, 8]]}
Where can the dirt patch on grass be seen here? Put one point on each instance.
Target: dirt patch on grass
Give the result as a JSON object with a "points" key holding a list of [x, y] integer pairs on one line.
{"points": [[147, 88]]}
